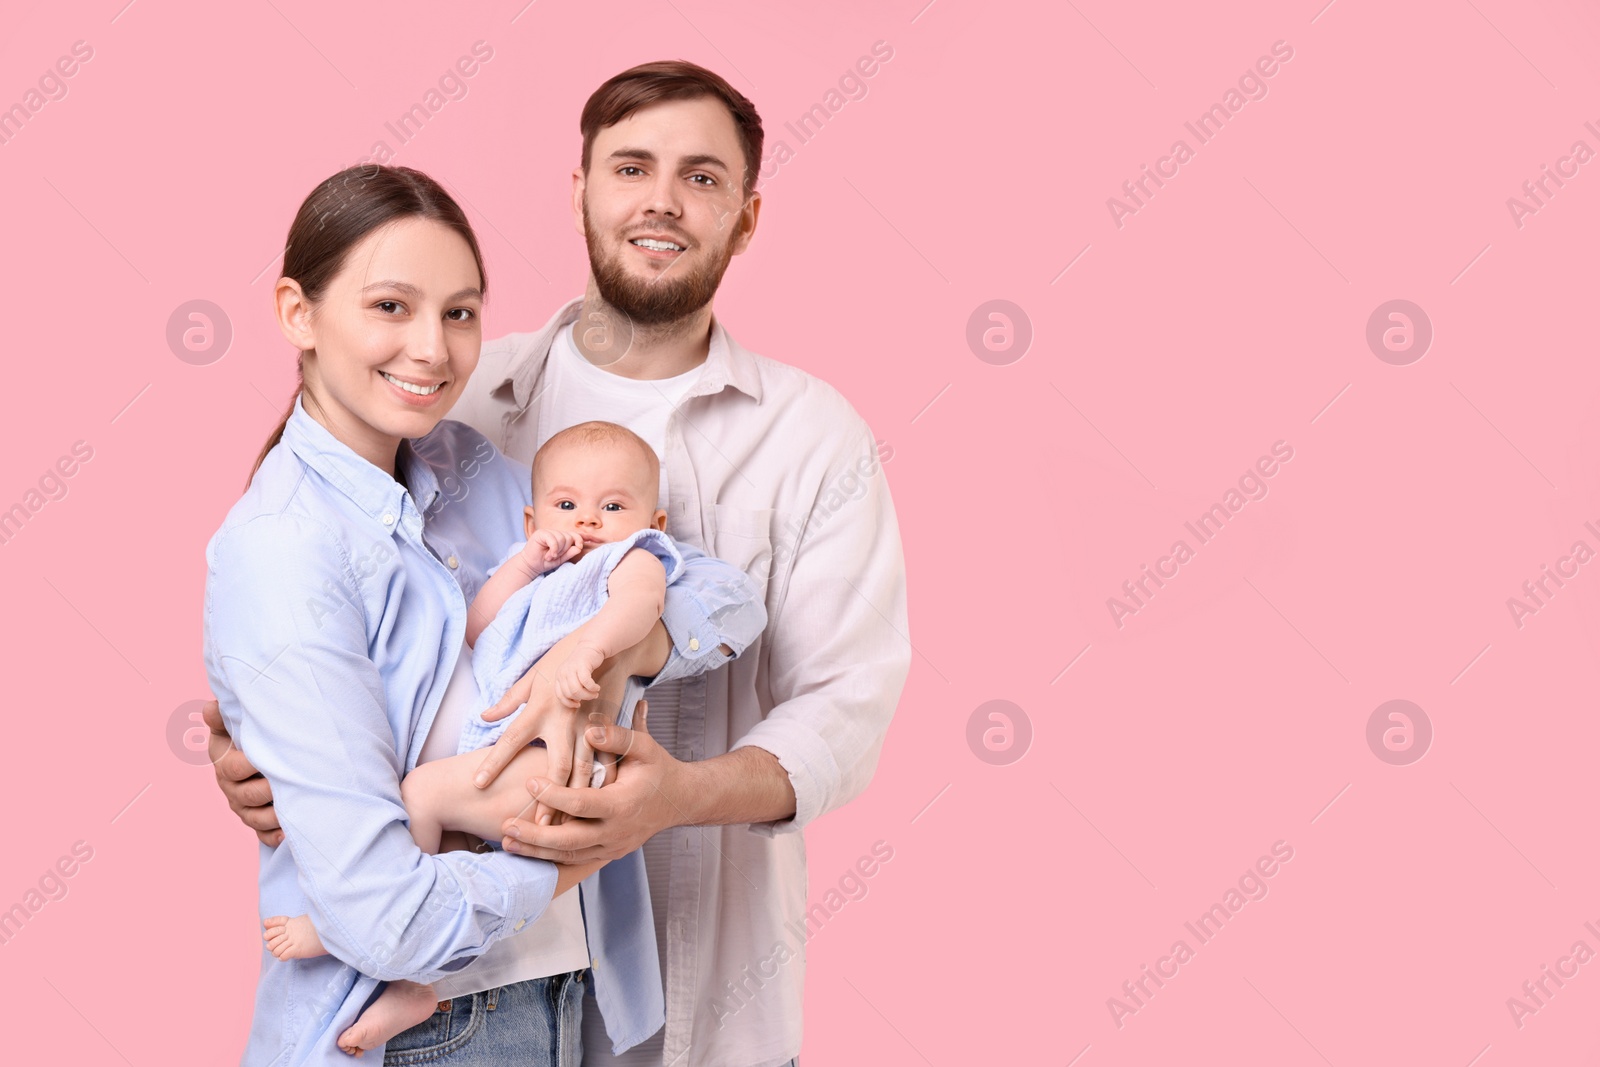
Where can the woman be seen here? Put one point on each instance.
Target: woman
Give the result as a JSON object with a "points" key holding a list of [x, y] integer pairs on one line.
{"points": [[336, 603]]}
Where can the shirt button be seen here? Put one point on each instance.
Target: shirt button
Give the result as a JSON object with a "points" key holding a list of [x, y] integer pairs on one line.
{"points": [[388, 520], [520, 924], [453, 562], [694, 644]]}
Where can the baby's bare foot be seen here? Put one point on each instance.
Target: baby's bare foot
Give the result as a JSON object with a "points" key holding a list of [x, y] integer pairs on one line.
{"points": [[292, 939], [398, 1008]]}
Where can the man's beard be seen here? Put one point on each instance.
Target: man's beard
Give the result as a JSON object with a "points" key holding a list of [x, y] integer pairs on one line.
{"points": [[669, 297]]}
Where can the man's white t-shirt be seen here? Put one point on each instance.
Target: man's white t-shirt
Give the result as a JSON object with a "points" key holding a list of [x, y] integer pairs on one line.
{"points": [[575, 391]]}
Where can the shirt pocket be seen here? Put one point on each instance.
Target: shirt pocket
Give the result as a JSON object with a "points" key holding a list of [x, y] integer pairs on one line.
{"points": [[743, 538]]}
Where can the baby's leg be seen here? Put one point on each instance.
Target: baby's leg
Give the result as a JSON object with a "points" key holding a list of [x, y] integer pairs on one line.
{"points": [[399, 1007], [440, 795], [292, 939]]}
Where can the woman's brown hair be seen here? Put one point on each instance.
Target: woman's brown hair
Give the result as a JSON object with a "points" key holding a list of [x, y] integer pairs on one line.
{"points": [[339, 214]]}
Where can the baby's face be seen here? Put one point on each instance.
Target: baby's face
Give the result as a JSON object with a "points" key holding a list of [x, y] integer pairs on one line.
{"points": [[602, 493]]}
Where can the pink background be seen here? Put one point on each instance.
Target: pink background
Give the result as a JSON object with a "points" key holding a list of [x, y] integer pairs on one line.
{"points": [[1227, 314]]}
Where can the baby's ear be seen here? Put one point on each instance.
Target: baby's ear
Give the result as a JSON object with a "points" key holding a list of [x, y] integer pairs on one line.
{"points": [[529, 526], [660, 520]]}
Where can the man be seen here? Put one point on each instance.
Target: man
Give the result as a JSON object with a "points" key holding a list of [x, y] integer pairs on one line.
{"points": [[763, 466]]}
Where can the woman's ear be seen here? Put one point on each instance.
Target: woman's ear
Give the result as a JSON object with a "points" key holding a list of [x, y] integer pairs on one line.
{"points": [[294, 314]]}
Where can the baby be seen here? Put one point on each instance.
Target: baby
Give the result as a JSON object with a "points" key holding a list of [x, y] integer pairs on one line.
{"points": [[594, 492]]}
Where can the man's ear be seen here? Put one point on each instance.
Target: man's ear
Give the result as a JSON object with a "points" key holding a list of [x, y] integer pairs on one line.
{"points": [[294, 314], [578, 184], [528, 525], [747, 223]]}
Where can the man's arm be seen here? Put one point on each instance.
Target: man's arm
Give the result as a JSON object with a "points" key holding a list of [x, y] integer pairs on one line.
{"points": [[838, 650], [747, 785]]}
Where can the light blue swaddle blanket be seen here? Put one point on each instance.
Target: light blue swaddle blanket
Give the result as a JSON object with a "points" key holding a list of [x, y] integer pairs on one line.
{"points": [[543, 612]]}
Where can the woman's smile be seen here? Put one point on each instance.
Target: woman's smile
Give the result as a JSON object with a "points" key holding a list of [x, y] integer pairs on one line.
{"points": [[412, 392]]}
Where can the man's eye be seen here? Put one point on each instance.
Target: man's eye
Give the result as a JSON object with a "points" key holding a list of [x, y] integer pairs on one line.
{"points": [[709, 180], [625, 170]]}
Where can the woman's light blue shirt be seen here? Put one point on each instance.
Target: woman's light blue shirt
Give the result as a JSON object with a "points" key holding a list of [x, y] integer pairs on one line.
{"points": [[336, 601]]}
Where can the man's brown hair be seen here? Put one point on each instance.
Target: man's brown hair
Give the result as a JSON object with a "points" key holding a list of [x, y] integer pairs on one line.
{"points": [[671, 79]]}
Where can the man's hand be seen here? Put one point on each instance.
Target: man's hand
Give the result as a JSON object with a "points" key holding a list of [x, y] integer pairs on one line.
{"points": [[548, 549], [606, 823], [248, 793]]}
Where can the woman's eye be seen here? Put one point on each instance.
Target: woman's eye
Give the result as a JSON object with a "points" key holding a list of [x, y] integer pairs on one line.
{"points": [[387, 304], [467, 314]]}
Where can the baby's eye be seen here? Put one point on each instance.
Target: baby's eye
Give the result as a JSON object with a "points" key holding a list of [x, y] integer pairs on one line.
{"points": [[613, 506], [566, 505]]}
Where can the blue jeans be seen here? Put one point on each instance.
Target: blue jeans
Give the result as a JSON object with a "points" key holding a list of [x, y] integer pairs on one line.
{"points": [[536, 1023]]}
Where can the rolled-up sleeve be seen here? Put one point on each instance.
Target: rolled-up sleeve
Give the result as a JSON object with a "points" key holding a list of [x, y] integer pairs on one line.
{"points": [[288, 657], [710, 604], [838, 643]]}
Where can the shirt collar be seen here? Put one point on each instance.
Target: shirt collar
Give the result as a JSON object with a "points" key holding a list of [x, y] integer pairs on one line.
{"points": [[727, 362], [373, 491]]}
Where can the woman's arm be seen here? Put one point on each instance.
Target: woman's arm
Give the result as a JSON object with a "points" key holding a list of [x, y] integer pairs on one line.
{"points": [[286, 651]]}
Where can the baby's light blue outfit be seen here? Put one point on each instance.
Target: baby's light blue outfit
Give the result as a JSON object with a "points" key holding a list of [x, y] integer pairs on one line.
{"points": [[712, 604], [544, 611]]}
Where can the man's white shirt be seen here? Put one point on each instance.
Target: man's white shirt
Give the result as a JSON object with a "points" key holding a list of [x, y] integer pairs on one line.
{"points": [[770, 469]]}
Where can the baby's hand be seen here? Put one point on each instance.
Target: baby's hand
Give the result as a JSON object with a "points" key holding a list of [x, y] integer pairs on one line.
{"points": [[548, 549], [575, 677]]}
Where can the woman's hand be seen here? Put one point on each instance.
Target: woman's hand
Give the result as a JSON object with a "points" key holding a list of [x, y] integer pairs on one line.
{"points": [[562, 728], [247, 791], [546, 717]]}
